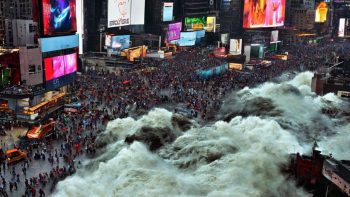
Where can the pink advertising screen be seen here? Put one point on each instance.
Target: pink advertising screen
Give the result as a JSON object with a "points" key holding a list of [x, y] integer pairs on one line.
{"points": [[59, 66]]}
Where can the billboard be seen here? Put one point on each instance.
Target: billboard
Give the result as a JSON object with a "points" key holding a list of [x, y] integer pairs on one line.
{"points": [[187, 38], [274, 36], [247, 49], [257, 51], [120, 42], [200, 34], [119, 13], [236, 46], [59, 17], [168, 11], [224, 38], [108, 40], [321, 12], [173, 32], [195, 23], [56, 67], [211, 24], [58, 43], [344, 27], [137, 12], [235, 66], [263, 13]]}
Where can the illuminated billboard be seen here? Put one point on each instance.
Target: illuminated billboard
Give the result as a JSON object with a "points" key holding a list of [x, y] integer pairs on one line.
{"points": [[321, 12], [56, 67], [235, 66], [236, 46], [59, 17], [173, 32], [187, 38], [257, 51], [263, 13], [211, 24], [120, 42], [200, 34], [195, 23], [58, 43], [274, 36], [224, 38], [119, 13], [108, 40], [168, 11], [137, 12], [344, 27]]}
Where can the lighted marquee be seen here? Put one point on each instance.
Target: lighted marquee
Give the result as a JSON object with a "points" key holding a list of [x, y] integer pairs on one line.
{"points": [[263, 13], [59, 17]]}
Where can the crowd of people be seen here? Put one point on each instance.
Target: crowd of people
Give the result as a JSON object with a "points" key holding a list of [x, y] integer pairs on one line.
{"points": [[104, 96]]}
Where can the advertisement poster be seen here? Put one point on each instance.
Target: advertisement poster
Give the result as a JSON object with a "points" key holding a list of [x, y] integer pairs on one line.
{"points": [[173, 32], [341, 30], [200, 34], [118, 13], [321, 12], [247, 49], [195, 23], [235, 66], [59, 17], [263, 13], [224, 38], [274, 36], [168, 11], [59, 66], [236, 46], [108, 40], [187, 38], [211, 24], [120, 42]]}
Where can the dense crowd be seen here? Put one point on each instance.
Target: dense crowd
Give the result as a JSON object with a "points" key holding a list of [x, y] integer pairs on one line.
{"points": [[105, 96]]}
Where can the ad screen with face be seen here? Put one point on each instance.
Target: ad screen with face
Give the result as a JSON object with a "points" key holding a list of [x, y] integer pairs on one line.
{"points": [[59, 17], [119, 13], [56, 67], [263, 13]]}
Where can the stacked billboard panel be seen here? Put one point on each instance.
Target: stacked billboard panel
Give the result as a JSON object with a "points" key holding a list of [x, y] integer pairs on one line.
{"points": [[263, 13], [195, 23], [58, 17], [173, 32], [187, 38], [60, 70], [168, 11]]}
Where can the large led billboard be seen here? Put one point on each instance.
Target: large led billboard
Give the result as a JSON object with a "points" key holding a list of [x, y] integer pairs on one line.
{"points": [[344, 27], [120, 42], [56, 67], [211, 24], [236, 46], [58, 43], [137, 12], [168, 11], [263, 13], [119, 13], [59, 17], [321, 12], [173, 32], [187, 38], [195, 23]]}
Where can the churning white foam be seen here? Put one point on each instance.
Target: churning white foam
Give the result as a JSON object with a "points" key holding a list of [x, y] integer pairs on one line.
{"points": [[241, 157]]}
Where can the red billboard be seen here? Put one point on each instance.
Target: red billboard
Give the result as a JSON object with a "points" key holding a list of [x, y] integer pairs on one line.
{"points": [[59, 66], [263, 13], [58, 17]]}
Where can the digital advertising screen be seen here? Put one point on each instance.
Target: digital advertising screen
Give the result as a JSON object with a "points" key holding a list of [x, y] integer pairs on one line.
{"points": [[173, 32], [211, 24], [236, 46], [263, 13], [274, 36], [137, 12], [56, 67], [200, 34], [120, 42], [321, 12], [235, 66], [108, 40], [257, 51], [168, 11], [119, 13], [187, 38], [224, 38], [195, 23], [58, 43], [59, 17], [344, 27]]}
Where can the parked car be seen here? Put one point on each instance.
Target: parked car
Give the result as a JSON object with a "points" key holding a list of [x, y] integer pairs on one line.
{"points": [[15, 155]]}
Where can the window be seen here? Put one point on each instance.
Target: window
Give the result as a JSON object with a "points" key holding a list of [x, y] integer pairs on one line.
{"points": [[32, 69]]}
